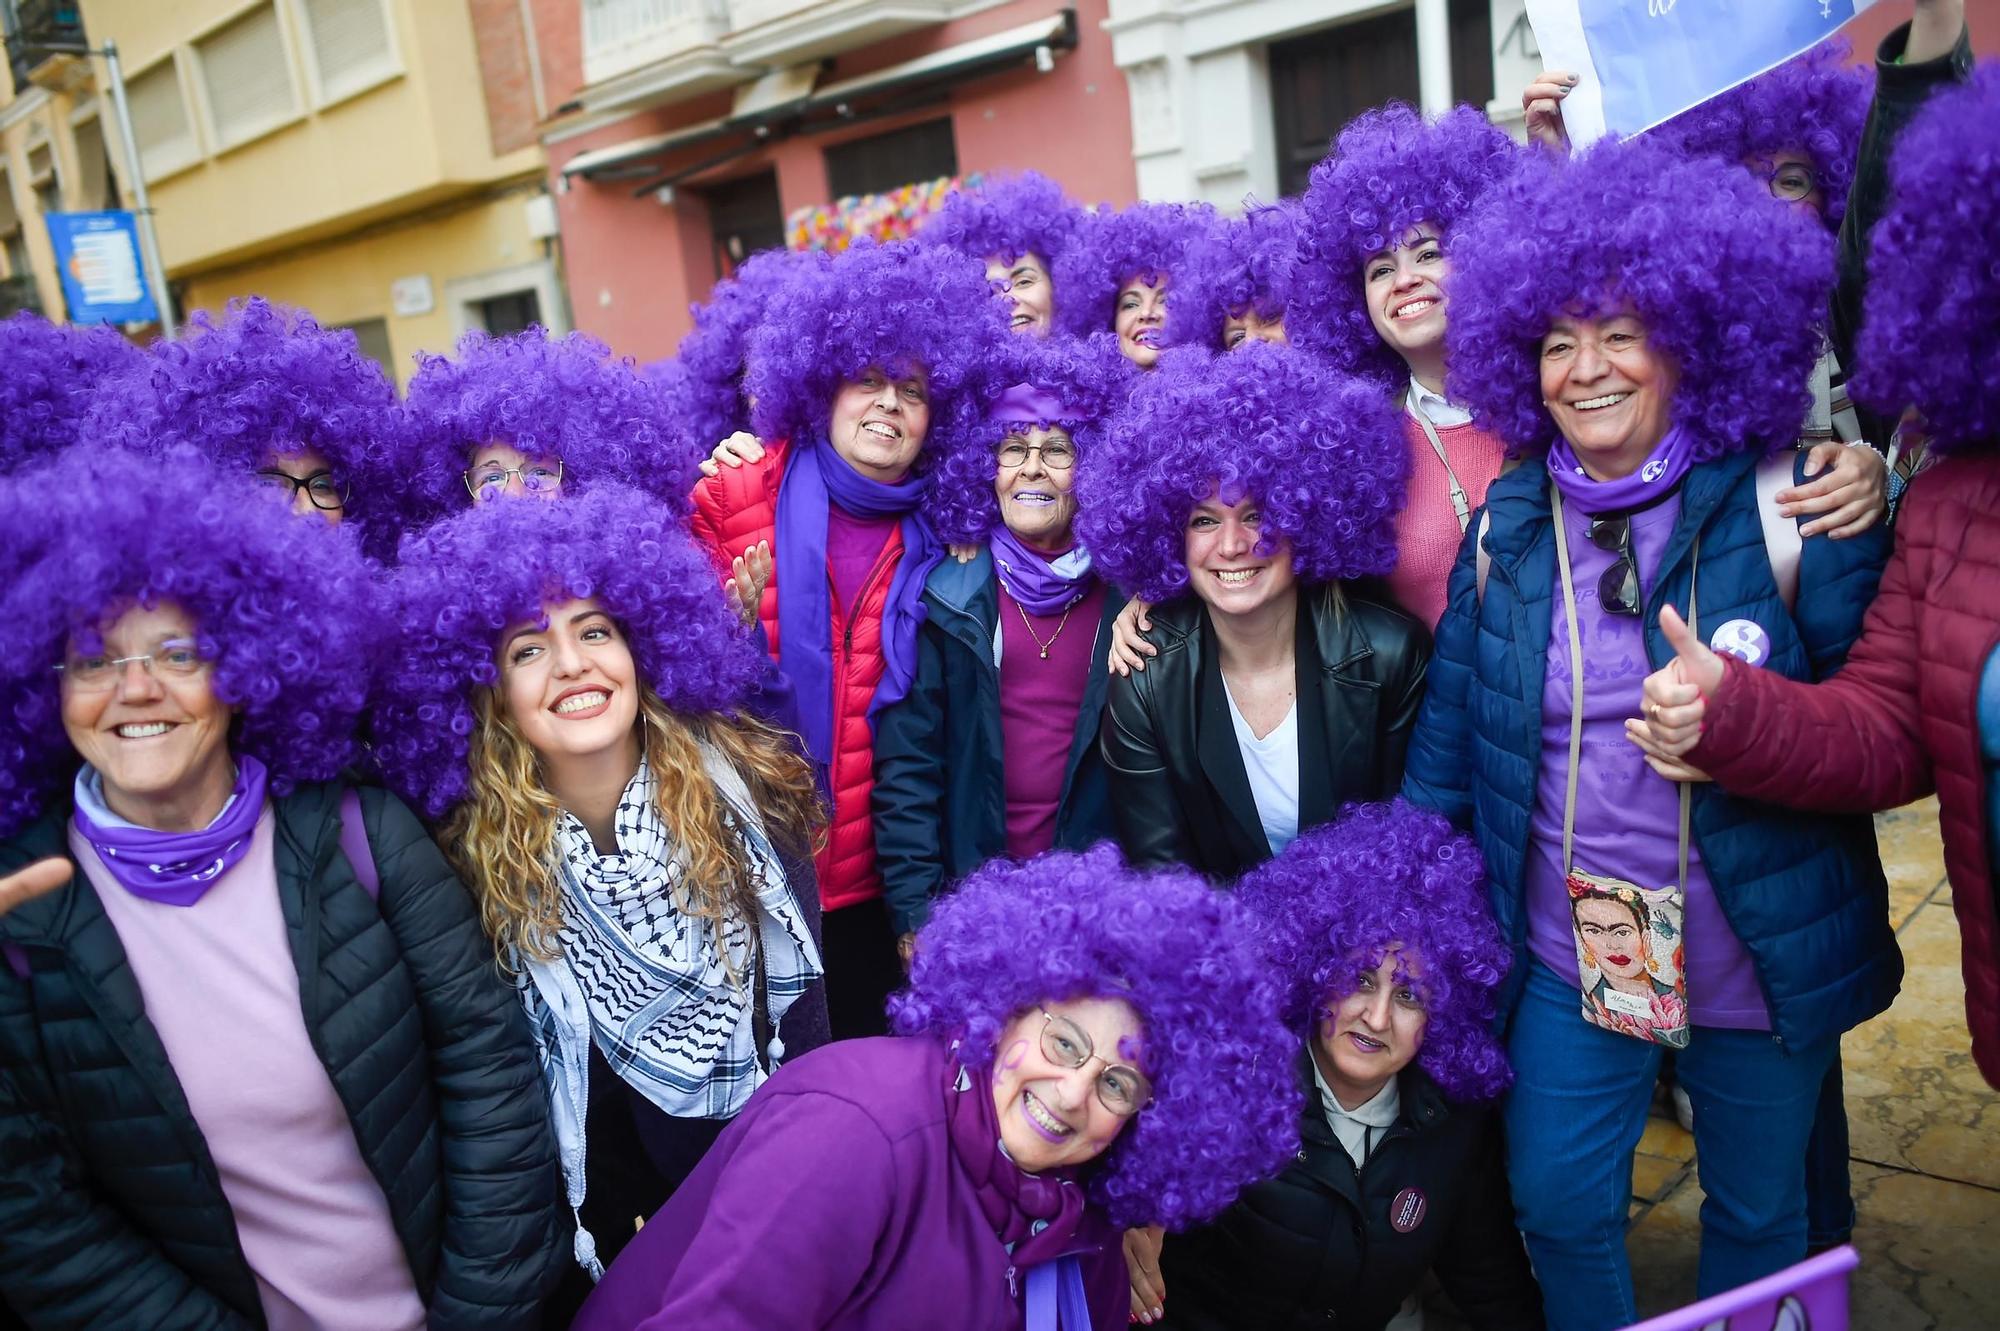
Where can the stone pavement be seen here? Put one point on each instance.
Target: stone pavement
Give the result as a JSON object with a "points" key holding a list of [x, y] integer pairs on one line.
{"points": [[1924, 1136]]}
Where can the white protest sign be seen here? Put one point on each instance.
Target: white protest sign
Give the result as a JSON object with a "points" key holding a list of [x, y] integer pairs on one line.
{"points": [[1640, 62]]}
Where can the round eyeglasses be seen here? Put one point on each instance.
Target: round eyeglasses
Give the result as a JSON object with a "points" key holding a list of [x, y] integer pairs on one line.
{"points": [[490, 482], [1122, 1089], [1056, 455], [1791, 182], [327, 494]]}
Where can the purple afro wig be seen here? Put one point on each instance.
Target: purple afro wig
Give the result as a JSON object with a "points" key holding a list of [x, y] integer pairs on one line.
{"points": [[1113, 247], [1004, 218], [1248, 264], [892, 307], [1815, 103], [1068, 925], [1390, 170], [1731, 284], [1930, 329], [266, 380], [1088, 377], [463, 582], [49, 374], [1319, 452], [286, 609], [1335, 901], [706, 397], [552, 397]]}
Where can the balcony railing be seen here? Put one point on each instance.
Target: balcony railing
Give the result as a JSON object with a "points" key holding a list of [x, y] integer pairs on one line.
{"points": [[622, 35], [19, 293], [41, 28]]}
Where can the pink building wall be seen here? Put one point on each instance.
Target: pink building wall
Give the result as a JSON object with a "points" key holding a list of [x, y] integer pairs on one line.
{"points": [[633, 266]]}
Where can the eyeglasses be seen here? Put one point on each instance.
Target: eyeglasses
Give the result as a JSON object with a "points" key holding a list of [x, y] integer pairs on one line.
{"points": [[1618, 589], [1121, 1089], [1056, 455], [1791, 182], [490, 482], [174, 659], [326, 493]]}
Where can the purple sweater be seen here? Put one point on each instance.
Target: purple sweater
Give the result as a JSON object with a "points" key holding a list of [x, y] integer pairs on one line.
{"points": [[835, 1201]]}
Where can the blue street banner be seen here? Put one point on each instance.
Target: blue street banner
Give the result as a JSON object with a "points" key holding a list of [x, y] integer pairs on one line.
{"points": [[102, 276], [1640, 62]]}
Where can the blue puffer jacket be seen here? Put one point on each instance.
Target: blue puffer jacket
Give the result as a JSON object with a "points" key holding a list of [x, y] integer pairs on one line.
{"points": [[1804, 892]]}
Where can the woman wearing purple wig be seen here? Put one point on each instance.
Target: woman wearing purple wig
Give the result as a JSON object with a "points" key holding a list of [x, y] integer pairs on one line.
{"points": [[258, 1068], [1010, 660], [1652, 339], [536, 415], [1082, 1047], [1248, 489], [1378, 931], [1371, 296], [53, 371], [1239, 284], [568, 701], [1117, 272], [1019, 227], [1881, 732], [267, 390], [864, 373]]}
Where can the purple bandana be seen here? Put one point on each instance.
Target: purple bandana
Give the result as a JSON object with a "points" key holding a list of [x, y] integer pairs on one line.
{"points": [[173, 868], [816, 476], [1655, 477], [1041, 585], [1025, 404]]}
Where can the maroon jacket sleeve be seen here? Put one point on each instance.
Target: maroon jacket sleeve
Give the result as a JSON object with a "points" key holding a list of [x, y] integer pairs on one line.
{"points": [[1849, 744]]}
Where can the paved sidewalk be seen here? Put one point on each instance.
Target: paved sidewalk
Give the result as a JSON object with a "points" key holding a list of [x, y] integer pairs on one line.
{"points": [[1924, 1129]]}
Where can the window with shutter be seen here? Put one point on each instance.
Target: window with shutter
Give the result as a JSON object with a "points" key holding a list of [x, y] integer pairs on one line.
{"points": [[350, 44], [160, 120], [247, 76]]}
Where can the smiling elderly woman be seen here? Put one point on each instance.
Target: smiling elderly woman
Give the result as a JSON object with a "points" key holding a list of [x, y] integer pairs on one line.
{"points": [[258, 1068], [1010, 660], [1654, 338], [567, 699], [1083, 1047], [1251, 486], [863, 375]]}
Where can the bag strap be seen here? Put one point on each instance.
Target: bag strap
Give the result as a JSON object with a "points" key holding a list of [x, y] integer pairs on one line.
{"points": [[1782, 542], [354, 843], [1576, 691], [1482, 562], [1461, 503]]}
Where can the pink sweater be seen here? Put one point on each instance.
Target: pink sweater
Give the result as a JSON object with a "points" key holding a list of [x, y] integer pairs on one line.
{"points": [[222, 991], [1427, 531]]}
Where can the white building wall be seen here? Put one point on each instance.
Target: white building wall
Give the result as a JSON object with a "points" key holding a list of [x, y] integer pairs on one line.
{"points": [[1202, 120]]}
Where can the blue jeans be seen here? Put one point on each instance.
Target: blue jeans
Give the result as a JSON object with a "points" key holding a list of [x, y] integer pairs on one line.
{"points": [[1573, 1119]]}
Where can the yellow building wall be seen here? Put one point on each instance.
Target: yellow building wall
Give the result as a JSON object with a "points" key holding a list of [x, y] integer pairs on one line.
{"points": [[46, 122], [348, 281], [415, 139]]}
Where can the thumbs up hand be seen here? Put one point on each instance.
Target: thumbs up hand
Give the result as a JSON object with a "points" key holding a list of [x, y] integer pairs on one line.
{"points": [[1676, 701]]}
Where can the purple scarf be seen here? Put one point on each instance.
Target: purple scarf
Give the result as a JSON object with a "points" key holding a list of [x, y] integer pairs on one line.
{"points": [[1012, 1200], [1655, 478], [172, 868], [816, 476], [1041, 585]]}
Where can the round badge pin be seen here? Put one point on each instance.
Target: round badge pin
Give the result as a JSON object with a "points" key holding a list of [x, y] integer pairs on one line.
{"points": [[1408, 1210], [1743, 639]]}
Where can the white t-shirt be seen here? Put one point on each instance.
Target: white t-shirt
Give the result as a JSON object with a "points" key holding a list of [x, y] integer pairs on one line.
{"points": [[1272, 764]]}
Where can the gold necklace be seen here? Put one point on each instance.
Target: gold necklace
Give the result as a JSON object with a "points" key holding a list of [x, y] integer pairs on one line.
{"points": [[1030, 626]]}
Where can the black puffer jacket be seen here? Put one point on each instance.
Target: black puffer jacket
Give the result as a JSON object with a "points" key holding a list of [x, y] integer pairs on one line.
{"points": [[1323, 1245], [111, 1211]]}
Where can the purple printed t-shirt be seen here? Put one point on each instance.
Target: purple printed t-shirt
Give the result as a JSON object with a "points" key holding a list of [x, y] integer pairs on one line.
{"points": [[1627, 815]]}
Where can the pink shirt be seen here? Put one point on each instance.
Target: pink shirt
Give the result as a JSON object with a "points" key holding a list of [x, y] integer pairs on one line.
{"points": [[1427, 531], [1039, 705], [222, 991]]}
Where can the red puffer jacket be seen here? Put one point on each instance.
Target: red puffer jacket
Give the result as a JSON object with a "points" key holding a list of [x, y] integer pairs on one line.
{"points": [[1902, 718], [732, 512]]}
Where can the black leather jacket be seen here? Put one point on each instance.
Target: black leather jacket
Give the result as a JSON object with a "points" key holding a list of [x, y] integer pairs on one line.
{"points": [[1179, 792]]}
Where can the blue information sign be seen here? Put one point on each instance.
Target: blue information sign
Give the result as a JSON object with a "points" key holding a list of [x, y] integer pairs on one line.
{"points": [[103, 279]]}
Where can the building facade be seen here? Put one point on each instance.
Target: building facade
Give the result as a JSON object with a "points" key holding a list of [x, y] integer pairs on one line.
{"points": [[336, 155]]}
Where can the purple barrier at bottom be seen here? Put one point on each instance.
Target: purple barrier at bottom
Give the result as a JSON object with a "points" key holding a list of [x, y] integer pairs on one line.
{"points": [[1811, 1296]]}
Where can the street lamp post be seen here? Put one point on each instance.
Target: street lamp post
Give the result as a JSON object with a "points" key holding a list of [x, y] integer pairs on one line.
{"points": [[142, 207]]}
